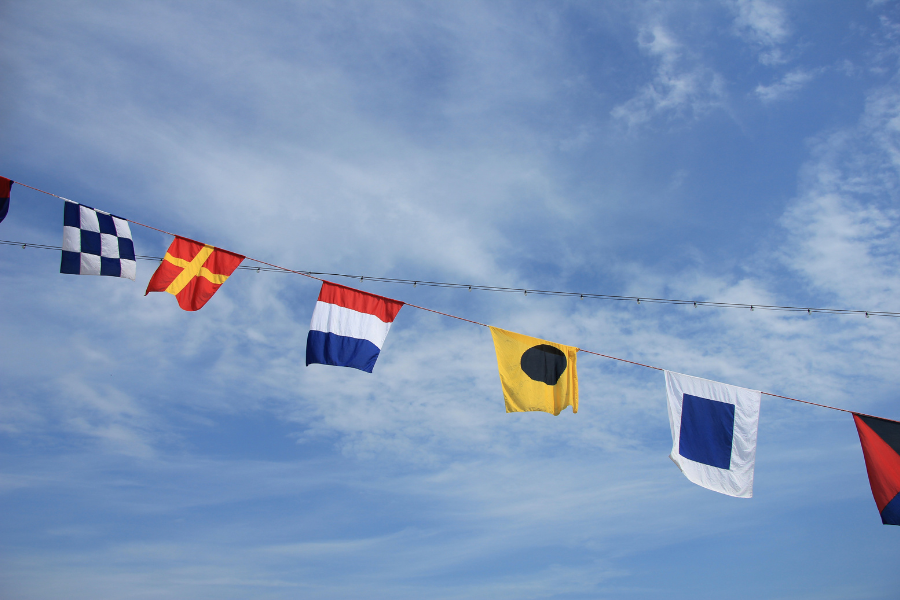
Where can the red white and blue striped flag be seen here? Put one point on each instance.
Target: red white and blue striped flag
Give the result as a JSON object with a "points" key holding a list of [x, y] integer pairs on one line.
{"points": [[349, 327]]}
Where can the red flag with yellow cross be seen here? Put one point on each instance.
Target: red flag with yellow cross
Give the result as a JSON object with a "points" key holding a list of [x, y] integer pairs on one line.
{"points": [[192, 272]]}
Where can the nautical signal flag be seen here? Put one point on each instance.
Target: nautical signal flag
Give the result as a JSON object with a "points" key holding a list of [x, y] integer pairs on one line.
{"points": [[713, 432], [96, 243], [880, 440], [535, 374], [192, 272], [349, 327], [5, 187]]}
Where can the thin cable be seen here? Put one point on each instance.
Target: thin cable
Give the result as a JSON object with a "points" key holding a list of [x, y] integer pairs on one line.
{"points": [[852, 412], [620, 359], [822, 405], [137, 256], [488, 288], [39, 190], [447, 314], [525, 291], [274, 267]]}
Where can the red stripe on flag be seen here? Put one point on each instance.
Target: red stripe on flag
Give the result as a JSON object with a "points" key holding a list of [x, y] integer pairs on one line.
{"points": [[385, 309], [882, 464]]}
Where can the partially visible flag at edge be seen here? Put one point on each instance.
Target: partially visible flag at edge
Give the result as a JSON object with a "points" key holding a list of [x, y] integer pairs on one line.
{"points": [[348, 327], [5, 187], [880, 441], [193, 272]]}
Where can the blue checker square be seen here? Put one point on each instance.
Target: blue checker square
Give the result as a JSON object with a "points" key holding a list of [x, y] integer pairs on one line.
{"points": [[707, 429], [72, 215], [126, 248], [90, 242], [110, 266], [71, 263], [106, 224]]}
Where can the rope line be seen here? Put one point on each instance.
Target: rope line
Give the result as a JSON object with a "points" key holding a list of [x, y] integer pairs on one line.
{"points": [[312, 275], [620, 359]]}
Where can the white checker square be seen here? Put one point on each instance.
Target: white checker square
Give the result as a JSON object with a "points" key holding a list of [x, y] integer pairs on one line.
{"points": [[71, 239], [122, 228], [90, 264], [89, 220], [129, 269], [109, 245]]}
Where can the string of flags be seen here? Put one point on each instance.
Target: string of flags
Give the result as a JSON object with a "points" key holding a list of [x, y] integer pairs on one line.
{"points": [[714, 425]]}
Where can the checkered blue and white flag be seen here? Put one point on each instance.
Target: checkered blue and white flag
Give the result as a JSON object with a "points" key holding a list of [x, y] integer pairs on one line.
{"points": [[96, 243], [713, 432]]}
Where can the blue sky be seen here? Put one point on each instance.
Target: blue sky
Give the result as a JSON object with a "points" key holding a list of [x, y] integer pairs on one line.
{"points": [[737, 151]]}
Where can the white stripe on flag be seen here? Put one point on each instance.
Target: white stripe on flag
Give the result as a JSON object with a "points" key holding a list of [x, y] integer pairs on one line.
{"points": [[330, 318]]}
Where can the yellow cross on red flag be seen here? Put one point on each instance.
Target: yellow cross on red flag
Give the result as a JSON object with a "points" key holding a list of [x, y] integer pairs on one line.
{"points": [[192, 272]]}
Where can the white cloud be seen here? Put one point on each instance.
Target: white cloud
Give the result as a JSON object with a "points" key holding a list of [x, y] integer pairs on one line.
{"points": [[789, 84], [681, 87], [843, 227], [765, 25], [321, 161]]}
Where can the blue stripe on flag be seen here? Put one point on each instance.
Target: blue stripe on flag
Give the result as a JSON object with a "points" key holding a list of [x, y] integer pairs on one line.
{"points": [[340, 351]]}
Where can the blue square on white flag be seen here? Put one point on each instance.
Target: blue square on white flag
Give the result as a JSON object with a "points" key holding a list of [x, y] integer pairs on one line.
{"points": [[713, 432], [707, 429]]}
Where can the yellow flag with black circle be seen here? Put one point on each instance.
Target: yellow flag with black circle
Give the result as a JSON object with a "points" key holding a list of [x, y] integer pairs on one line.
{"points": [[535, 374]]}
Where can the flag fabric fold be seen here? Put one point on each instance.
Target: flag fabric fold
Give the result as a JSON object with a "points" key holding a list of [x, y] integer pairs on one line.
{"points": [[5, 187], [193, 272], [536, 375], [348, 327], [96, 243], [880, 441], [714, 428]]}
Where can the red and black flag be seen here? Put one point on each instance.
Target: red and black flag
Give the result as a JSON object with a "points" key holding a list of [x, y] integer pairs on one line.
{"points": [[880, 439], [5, 186]]}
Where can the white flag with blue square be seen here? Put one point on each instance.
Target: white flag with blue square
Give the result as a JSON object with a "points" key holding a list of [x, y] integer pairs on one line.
{"points": [[713, 432], [96, 243]]}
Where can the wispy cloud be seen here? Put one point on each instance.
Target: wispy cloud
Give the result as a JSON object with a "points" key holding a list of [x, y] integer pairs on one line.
{"points": [[843, 228], [787, 86], [682, 87], [416, 139], [765, 25]]}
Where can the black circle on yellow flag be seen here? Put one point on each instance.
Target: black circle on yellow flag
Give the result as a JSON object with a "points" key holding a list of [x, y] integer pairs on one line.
{"points": [[544, 363]]}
